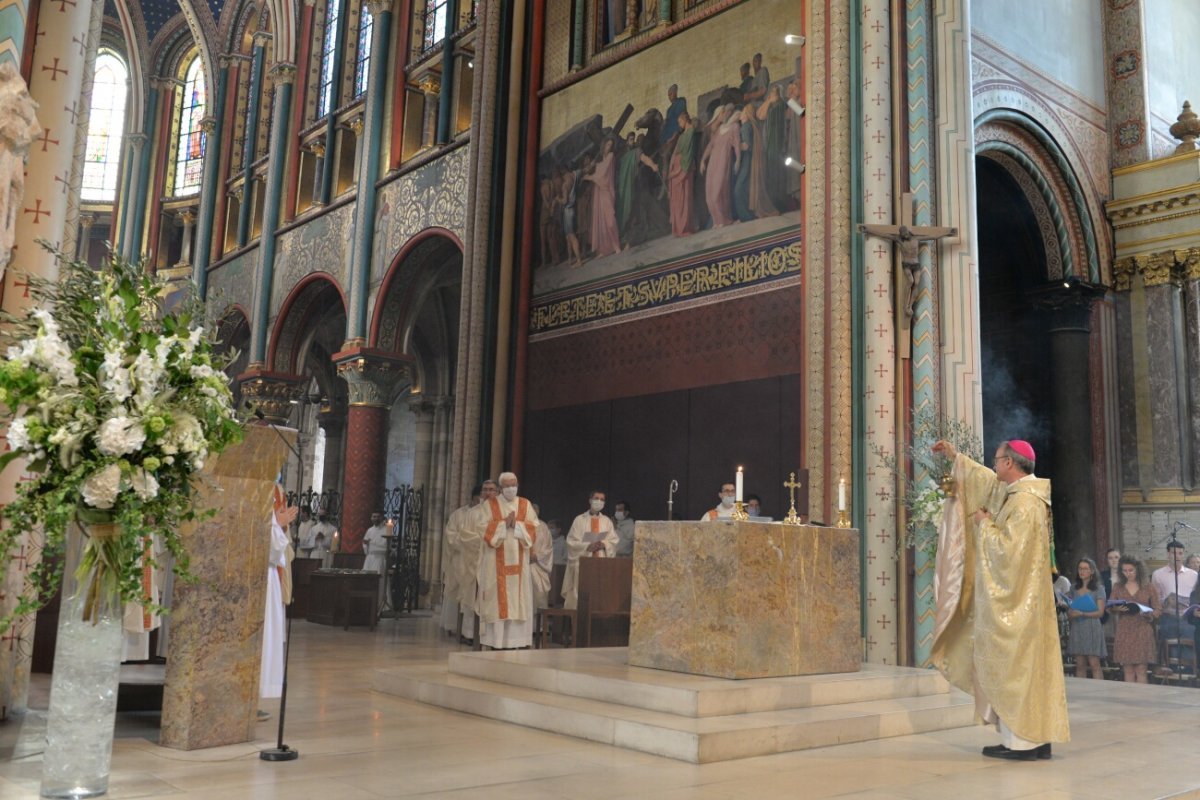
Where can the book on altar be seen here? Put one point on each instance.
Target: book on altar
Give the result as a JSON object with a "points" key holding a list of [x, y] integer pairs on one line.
{"points": [[1129, 606], [1085, 603]]}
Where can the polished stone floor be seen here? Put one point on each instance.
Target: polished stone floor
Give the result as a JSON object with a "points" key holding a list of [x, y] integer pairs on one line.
{"points": [[1129, 742]]}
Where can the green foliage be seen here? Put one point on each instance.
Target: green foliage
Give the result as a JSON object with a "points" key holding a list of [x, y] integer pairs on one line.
{"points": [[920, 471], [115, 401]]}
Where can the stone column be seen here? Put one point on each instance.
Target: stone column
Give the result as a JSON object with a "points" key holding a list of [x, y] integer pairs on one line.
{"points": [[188, 217], [284, 75], [210, 181], [370, 375], [434, 511], [423, 458], [85, 235], [1189, 266], [446, 100], [250, 142], [1070, 313], [333, 421], [431, 87], [130, 242], [1167, 364], [81, 107]]}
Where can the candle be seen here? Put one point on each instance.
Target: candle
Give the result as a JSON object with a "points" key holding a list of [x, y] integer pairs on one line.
{"points": [[842, 495], [738, 486]]}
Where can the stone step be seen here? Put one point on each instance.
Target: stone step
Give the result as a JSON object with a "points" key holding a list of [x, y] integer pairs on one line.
{"points": [[602, 673], [694, 739]]}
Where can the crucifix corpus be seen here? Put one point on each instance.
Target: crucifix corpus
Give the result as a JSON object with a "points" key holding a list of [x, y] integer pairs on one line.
{"points": [[909, 237]]}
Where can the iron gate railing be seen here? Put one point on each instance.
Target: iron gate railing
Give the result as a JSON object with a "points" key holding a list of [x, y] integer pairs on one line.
{"points": [[403, 505]]}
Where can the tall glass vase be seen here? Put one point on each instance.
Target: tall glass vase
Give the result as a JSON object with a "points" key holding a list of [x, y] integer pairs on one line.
{"points": [[83, 691]]}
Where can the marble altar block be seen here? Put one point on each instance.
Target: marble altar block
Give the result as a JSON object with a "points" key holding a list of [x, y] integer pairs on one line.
{"points": [[211, 691], [745, 599]]}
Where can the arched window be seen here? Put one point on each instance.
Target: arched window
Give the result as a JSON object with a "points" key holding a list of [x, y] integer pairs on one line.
{"points": [[362, 62], [189, 146], [333, 12], [106, 124], [436, 19]]}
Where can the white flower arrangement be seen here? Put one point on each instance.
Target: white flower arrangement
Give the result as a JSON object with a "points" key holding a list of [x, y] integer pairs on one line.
{"points": [[115, 404]]}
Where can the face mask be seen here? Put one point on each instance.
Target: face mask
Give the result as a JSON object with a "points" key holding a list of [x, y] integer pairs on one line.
{"points": [[620, 515], [752, 511], [597, 506], [727, 500], [509, 492]]}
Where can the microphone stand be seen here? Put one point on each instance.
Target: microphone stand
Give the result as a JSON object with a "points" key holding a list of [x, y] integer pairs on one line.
{"points": [[281, 752]]}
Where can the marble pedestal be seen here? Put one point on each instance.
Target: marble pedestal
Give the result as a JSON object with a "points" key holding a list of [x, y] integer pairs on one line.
{"points": [[215, 647], [745, 599]]}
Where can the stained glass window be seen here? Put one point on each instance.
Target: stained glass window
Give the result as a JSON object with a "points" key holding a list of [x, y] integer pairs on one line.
{"points": [[362, 64], [435, 23], [189, 154], [333, 11], [102, 160]]}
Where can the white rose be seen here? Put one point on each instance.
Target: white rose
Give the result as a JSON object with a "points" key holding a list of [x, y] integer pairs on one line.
{"points": [[120, 436], [144, 484], [18, 434], [100, 489]]}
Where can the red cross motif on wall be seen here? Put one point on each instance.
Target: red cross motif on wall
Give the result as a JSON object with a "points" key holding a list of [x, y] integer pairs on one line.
{"points": [[25, 287], [71, 110], [883, 579], [63, 180], [883, 536], [871, 641], [82, 44], [62, 5], [9, 640], [55, 69], [45, 139], [37, 212], [883, 621], [21, 559]]}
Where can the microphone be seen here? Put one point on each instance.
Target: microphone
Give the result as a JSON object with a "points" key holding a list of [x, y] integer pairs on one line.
{"points": [[1182, 524]]}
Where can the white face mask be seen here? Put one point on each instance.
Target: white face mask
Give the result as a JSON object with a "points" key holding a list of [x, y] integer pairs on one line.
{"points": [[509, 492], [620, 515], [752, 511], [597, 506], [727, 500]]}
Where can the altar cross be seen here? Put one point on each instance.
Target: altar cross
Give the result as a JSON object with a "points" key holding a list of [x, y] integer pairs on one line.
{"points": [[791, 484], [909, 237]]}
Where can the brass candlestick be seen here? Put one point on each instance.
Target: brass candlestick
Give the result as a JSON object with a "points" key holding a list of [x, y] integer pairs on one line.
{"points": [[791, 484], [843, 520], [739, 512]]}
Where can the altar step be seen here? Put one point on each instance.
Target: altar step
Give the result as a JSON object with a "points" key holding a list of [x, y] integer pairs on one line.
{"points": [[591, 694]]}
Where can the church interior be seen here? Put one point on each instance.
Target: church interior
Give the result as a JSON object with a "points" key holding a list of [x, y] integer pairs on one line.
{"points": [[636, 247]]}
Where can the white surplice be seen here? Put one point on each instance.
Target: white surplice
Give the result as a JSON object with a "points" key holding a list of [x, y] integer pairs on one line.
{"points": [[585, 530], [505, 590], [270, 676], [451, 570]]}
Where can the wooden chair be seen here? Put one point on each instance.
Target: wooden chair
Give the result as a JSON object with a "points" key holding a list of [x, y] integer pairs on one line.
{"points": [[1177, 662], [546, 615], [605, 593]]}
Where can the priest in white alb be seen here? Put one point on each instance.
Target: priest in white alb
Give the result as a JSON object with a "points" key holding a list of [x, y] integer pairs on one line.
{"points": [[451, 582], [592, 535], [279, 594], [508, 527], [468, 543]]}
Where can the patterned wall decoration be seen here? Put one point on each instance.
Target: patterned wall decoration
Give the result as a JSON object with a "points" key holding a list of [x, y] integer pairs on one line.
{"points": [[232, 282], [434, 195], [320, 245], [879, 352], [1126, 82], [740, 338]]}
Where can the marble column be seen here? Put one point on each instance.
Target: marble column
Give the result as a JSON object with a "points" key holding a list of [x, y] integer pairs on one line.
{"points": [[250, 141], [1189, 264], [210, 182], [133, 214], [86, 221], [57, 79], [1166, 361], [370, 376], [431, 87]]}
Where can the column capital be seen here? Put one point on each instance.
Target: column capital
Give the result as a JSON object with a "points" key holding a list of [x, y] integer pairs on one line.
{"points": [[283, 72], [186, 215], [272, 393], [420, 404], [208, 124], [1123, 270], [225, 60], [377, 7], [1188, 262], [1157, 268], [262, 37], [371, 374], [429, 84]]}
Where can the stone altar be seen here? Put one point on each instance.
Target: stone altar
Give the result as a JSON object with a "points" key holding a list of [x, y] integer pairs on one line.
{"points": [[745, 599], [211, 692]]}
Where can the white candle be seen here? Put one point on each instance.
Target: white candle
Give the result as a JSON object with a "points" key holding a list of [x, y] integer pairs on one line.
{"points": [[842, 495], [738, 485]]}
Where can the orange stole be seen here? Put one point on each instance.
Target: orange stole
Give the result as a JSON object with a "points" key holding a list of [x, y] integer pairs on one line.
{"points": [[595, 529], [503, 570]]}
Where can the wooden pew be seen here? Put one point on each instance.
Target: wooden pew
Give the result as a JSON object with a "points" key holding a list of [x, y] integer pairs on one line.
{"points": [[605, 597]]}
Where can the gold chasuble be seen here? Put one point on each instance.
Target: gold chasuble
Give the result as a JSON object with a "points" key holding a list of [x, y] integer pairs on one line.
{"points": [[504, 571], [996, 635]]}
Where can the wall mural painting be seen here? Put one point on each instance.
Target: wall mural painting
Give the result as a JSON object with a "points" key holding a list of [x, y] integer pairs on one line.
{"points": [[633, 187]]}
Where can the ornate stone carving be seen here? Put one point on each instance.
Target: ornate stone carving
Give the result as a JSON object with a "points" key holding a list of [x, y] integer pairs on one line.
{"points": [[1188, 262], [1186, 129], [208, 125], [1123, 270], [283, 72], [272, 393], [1157, 268], [371, 375], [18, 127], [377, 7], [429, 84]]}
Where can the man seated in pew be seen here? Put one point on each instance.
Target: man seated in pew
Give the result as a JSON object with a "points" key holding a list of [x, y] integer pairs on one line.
{"points": [[592, 535]]}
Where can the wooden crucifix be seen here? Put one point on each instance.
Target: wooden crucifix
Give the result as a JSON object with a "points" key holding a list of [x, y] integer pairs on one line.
{"points": [[909, 237]]}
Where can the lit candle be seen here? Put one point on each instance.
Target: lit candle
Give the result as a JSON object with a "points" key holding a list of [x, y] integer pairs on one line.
{"points": [[842, 495], [738, 486]]}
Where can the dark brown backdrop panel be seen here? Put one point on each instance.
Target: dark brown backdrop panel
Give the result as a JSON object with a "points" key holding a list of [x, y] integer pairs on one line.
{"points": [[649, 446]]}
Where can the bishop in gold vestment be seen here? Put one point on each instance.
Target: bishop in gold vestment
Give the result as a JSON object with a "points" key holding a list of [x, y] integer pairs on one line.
{"points": [[996, 635]]}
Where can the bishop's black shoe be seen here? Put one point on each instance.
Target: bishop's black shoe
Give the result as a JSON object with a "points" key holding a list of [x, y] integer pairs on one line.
{"points": [[1000, 751]]}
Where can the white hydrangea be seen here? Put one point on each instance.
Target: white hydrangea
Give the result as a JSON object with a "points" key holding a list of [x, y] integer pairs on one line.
{"points": [[144, 484], [185, 436], [120, 436], [18, 434], [100, 489]]}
